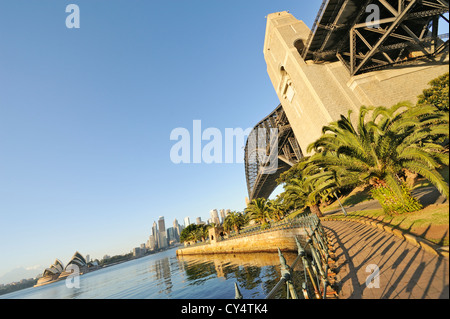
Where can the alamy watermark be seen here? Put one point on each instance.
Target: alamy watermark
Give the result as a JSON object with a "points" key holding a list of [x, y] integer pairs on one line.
{"points": [[213, 146], [73, 280], [73, 19], [373, 19], [373, 280]]}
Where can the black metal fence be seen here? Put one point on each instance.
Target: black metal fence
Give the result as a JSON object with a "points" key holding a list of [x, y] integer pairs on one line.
{"points": [[315, 256]]}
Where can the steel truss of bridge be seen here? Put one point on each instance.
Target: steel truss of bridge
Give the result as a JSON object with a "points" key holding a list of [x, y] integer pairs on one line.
{"points": [[367, 35], [271, 149]]}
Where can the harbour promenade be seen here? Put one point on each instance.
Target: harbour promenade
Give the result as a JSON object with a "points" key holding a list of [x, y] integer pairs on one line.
{"points": [[405, 271]]}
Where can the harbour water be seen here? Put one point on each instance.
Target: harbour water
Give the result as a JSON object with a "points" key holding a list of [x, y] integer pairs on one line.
{"points": [[166, 276]]}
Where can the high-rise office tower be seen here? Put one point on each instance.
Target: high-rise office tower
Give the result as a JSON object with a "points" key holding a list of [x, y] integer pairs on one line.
{"points": [[176, 226], [161, 224], [215, 216], [151, 244], [222, 215], [187, 222], [155, 235], [162, 232]]}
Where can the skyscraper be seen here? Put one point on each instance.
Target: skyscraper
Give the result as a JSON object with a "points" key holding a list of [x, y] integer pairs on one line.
{"points": [[151, 244], [187, 222], [162, 232], [176, 226], [155, 236], [215, 216], [161, 224], [222, 215]]}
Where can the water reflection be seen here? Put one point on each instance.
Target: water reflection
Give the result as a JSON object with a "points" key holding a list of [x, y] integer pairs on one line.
{"points": [[257, 273], [161, 269], [164, 275]]}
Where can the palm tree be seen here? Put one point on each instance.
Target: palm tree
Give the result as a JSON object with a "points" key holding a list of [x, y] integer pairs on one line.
{"points": [[202, 233], [234, 221], [188, 234], [276, 208], [259, 210], [378, 151], [298, 189], [307, 184]]}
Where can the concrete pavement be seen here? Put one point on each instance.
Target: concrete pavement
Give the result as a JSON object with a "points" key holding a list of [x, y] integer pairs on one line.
{"points": [[405, 271]]}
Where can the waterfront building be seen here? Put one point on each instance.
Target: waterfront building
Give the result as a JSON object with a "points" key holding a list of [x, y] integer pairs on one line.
{"points": [[222, 215], [51, 273], [187, 222], [155, 235], [163, 240], [170, 234], [138, 252], [57, 271], [177, 229], [76, 264], [162, 233], [161, 224], [151, 243], [214, 216], [198, 220]]}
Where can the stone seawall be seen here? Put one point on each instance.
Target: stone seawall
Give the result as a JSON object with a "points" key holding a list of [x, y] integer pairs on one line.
{"points": [[268, 241]]}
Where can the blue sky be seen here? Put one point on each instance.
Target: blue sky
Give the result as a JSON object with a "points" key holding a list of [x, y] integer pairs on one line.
{"points": [[86, 115]]}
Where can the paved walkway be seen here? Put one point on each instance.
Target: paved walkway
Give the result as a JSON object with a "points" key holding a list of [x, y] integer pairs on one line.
{"points": [[405, 271]]}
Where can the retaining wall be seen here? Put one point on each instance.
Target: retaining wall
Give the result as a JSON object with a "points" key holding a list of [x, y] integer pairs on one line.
{"points": [[268, 241]]}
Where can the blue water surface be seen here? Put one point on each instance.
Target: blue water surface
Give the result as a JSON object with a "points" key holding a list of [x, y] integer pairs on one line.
{"points": [[166, 276]]}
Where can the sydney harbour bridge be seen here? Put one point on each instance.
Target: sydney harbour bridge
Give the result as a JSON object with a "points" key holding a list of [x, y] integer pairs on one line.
{"points": [[359, 52]]}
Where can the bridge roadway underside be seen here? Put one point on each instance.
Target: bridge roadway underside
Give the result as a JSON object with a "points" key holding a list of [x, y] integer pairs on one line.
{"points": [[266, 183]]}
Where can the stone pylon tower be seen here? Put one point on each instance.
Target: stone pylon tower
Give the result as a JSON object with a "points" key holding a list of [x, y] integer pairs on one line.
{"points": [[313, 94]]}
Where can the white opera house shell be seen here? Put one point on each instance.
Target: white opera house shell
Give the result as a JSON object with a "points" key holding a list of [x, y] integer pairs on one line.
{"points": [[57, 271]]}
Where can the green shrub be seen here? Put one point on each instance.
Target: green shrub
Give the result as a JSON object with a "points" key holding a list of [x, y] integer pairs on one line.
{"points": [[392, 203], [437, 94]]}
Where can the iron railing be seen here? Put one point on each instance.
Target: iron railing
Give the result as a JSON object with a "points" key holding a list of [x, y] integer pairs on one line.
{"points": [[288, 223], [316, 258]]}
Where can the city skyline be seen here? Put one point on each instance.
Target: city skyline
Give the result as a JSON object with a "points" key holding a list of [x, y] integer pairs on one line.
{"points": [[86, 117], [154, 231]]}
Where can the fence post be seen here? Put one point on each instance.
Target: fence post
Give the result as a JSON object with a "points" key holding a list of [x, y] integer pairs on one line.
{"points": [[286, 274], [237, 292]]}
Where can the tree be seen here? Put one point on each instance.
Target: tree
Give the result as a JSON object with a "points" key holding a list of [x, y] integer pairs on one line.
{"points": [[299, 189], [188, 234], [437, 94], [234, 221], [307, 184], [259, 210], [378, 151], [202, 233], [277, 209]]}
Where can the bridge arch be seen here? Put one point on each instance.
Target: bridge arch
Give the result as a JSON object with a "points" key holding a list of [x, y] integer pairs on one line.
{"points": [[262, 171]]}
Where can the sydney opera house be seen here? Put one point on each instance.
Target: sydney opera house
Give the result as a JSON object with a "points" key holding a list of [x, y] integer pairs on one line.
{"points": [[57, 271]]}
